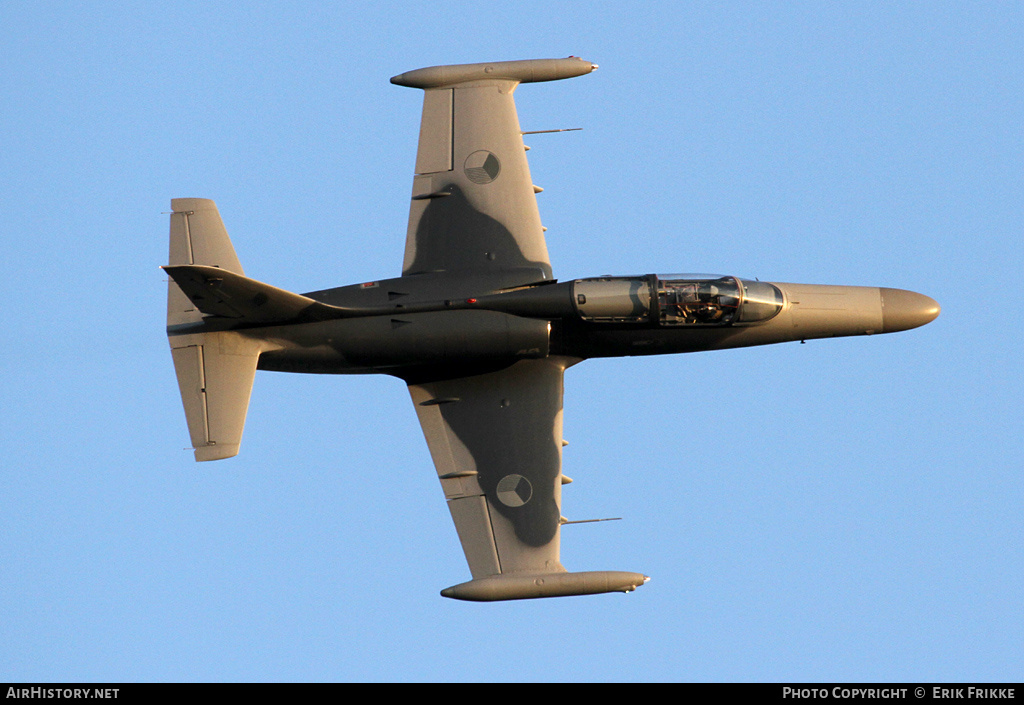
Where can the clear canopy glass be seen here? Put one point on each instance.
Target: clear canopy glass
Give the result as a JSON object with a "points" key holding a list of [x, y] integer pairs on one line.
{"points": [[711, 300]]}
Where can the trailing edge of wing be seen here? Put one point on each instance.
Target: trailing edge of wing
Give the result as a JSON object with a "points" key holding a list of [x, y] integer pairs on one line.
{"points": [[218, 292]]}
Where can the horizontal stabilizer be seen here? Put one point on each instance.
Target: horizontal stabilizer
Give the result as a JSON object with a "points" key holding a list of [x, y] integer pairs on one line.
{"points": [[215, 375], [197, 237], [531, 585], [219, 292]]}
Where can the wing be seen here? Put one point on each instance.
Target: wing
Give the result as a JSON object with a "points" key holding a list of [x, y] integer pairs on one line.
{"points": [[495, 438], [496, 442], [474, 207]]}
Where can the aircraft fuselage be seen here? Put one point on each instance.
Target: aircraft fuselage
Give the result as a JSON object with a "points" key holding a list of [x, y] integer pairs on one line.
{"points": [[417, 326]]}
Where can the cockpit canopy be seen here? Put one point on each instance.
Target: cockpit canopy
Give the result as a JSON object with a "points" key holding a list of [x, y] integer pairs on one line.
{"points": [[677, 299], [713, 300]]}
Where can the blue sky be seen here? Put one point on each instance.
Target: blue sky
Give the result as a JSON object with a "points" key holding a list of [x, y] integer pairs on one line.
{"points": [[842, 510]]}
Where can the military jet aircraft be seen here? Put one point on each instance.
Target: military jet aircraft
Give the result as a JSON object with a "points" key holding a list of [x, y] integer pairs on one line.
{"points": [[477, 327]]}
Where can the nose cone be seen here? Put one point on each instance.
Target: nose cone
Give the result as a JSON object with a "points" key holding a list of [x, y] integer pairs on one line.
{"points": [[903, 310]]}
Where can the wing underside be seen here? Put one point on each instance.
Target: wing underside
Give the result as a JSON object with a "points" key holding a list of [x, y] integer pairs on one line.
{"points": [[474, 206], [496, 442]]}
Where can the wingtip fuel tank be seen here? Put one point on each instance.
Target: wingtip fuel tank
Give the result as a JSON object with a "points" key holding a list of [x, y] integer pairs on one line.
{"points": [[533, 585], [528, 71]]}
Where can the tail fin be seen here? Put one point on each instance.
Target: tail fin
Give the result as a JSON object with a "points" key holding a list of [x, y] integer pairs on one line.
{"points": [[217, 292], [215, 370]]}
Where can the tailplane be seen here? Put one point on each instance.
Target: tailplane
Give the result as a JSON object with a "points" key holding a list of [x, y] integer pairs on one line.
{"points": [[215, 374], [197, 237], [216, 369]]}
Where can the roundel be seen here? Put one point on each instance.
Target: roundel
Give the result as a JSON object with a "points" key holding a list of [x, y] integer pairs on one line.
{"points": [[514, 490], [481, 167]]}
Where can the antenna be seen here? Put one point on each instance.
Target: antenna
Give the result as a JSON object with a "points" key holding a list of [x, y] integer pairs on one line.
{"points": [[544, 132], [563, 521]]}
